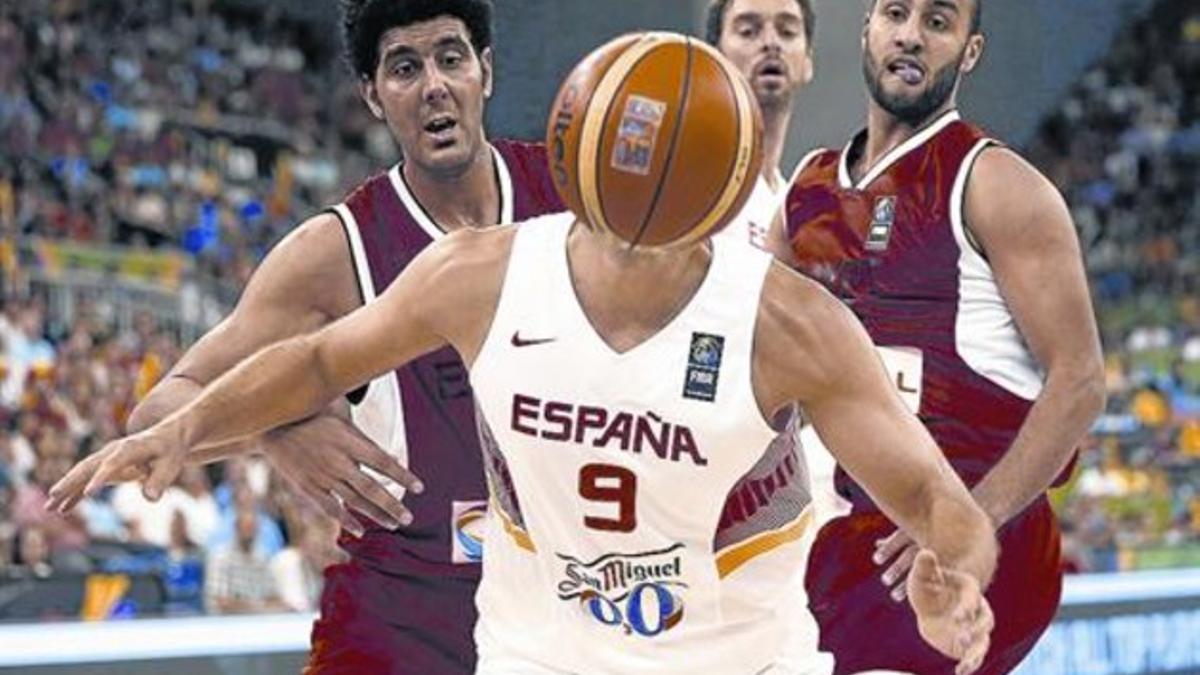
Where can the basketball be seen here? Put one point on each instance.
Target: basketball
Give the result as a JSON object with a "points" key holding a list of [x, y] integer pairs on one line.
{"points": [[656, 138]]}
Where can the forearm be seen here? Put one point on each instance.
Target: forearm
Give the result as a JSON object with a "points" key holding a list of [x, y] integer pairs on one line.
{"points": [[278, 385], [1056, 424], [172, 394], [961, 534]]}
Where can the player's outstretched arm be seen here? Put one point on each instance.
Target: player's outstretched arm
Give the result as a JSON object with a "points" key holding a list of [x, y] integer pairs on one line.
{"points": [[304, 283], [1025, 230], [296, 378], [810, 348]]}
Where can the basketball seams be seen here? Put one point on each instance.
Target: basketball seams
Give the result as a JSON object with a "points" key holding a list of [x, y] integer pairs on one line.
{"points": [[735, 185], [696, 230], [591, 132], [685, 90]]}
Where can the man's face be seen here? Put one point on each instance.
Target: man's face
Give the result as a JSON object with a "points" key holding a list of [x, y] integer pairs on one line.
{"points": [[247, 528], [765, 39], [430, 87], [915, 51]]}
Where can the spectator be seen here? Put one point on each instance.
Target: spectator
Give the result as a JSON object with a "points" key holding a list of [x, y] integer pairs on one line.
{"points": [[298, 568], [238, 577]]}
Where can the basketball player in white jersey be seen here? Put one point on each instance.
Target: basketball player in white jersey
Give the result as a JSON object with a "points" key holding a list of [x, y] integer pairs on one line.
{"points": [[770, 42], [567, 333]]}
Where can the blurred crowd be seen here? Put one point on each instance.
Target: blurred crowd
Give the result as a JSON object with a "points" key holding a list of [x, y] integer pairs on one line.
{"points": [[201, 126], [229, 539], [1124, 146]]}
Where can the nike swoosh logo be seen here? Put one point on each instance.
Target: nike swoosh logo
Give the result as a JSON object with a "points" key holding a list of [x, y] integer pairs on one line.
{"points": [[518, 341]]}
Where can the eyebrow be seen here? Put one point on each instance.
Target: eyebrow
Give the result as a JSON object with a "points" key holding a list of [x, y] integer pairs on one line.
{"points": [[403, 49], [947, 4], [751, 15]]}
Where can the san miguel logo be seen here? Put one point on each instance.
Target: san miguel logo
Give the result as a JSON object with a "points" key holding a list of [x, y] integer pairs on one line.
{"points": [[640, 593]]}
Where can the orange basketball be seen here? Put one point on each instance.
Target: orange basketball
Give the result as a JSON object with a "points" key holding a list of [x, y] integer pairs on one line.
{"points": [[656, 138]]}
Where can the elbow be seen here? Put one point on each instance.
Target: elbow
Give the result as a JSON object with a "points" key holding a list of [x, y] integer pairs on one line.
{"points": [[308, 350], [1088, 390], [142, 417]]}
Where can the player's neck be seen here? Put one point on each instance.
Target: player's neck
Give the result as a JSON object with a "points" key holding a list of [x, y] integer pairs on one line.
{"points": [[775, 129], [886, 132], [627, 294], [469, 198]]}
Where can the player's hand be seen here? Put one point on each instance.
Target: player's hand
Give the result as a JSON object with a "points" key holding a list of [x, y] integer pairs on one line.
{"points": [[154, 457], [952, 614], [896, 554], [323, 459]]}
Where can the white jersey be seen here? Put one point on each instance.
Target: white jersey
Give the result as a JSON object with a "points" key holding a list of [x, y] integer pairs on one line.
{"points": [[753, 223], [644, 517]]}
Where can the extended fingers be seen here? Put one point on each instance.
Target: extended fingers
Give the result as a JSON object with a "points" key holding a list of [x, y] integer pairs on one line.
{"points": [[370, 499], [364, 451], [334, 509], [887, 548], [895, 575]]}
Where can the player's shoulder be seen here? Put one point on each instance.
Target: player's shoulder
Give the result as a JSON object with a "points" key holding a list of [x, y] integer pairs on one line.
{"points": [[364, 190], [318, 240], [804, 337], [999, 165], [796, 309], [472, 248], [524, 153], [1004, 186]]}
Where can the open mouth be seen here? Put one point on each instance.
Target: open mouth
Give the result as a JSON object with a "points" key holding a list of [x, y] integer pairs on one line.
{"points": [[771, 69], [440, 125], [907, 69]]}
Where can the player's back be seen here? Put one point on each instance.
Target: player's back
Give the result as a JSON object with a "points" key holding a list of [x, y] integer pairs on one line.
{"points": [[644, 513]]}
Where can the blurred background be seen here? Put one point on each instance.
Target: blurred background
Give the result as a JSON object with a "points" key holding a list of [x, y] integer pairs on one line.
{"points": [[151, 151]]}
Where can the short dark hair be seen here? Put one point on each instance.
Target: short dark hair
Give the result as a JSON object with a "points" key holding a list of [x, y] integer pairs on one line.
{"points": [[715, 20], [976, 15], [365, 21]]}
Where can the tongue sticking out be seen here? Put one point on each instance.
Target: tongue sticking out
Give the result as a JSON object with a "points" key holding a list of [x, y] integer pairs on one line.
{"points": [[910, 74]]}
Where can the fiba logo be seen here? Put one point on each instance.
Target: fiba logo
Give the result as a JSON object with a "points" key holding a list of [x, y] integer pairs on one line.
{"points": [[639, 593], [704, 367], [706, 351]]}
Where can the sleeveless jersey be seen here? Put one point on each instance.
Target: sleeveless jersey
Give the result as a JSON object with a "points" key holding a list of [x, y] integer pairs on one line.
{"points": [[423, 413], [895, 249], [644, 516], [752, 224]]}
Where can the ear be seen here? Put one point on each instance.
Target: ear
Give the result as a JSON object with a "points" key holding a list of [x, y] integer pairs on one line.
{"points": [[806, 75], [369, 94], [485, 62], [973, 54]]}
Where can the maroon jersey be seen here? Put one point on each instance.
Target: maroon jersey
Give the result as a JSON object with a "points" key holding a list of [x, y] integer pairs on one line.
{"points": [[895, 249], [412, 590]]}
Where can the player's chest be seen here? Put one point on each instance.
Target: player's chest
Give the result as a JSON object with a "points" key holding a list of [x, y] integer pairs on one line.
{"points": [[887, 240]]}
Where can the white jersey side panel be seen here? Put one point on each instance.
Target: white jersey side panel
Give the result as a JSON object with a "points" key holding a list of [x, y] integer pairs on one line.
{"points": [[380, 413]]}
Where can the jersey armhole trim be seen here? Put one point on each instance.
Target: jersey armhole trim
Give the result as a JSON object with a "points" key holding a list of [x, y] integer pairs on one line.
{"points": [[489, 336], [958, 196], [362, 274]]}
